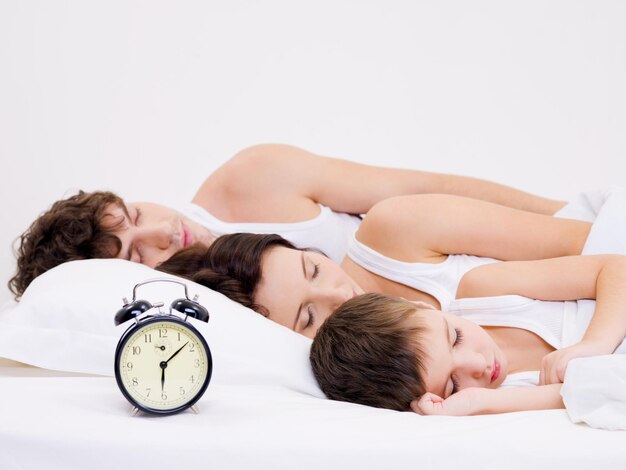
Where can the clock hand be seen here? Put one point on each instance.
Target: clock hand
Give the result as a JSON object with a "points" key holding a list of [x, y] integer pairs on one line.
{"points": [[163, 365], [179, 350]]}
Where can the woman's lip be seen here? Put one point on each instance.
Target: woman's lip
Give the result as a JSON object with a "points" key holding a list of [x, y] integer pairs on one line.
{"points": [[496, 371]]}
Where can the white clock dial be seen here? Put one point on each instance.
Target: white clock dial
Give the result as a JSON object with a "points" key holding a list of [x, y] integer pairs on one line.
{"points": [[163, 365]]}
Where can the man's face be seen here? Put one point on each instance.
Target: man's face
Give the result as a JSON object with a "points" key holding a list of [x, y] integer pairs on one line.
{"points": [[151, 233]]}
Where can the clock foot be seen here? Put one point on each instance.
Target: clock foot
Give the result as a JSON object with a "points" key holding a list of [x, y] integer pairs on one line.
{"points": [[194, 408]]}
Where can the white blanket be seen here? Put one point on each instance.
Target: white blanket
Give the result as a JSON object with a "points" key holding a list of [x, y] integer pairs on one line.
{"points": [[594, 391]]}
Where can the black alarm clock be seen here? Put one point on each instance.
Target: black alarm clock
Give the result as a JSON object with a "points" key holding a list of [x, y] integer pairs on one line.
{"points": [[163, 365]]}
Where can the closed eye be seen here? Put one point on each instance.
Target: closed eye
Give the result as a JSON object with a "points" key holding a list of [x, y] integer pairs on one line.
{"points": [[458, 336], [458, 339], [316, 271], [455, 385], [309, 322]]}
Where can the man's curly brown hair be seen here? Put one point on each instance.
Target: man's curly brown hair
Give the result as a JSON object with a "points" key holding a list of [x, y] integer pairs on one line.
{"points": [[72, 229]]}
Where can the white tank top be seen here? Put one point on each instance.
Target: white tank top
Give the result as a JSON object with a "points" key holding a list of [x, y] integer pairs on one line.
{"points": [[440, 280], [560, 324], [328, 232]]}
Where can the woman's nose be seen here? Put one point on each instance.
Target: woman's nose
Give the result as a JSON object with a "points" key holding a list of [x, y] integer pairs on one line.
{"points": [[334, 297]]}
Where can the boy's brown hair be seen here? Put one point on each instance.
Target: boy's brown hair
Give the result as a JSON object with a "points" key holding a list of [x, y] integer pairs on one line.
{"points": [[71, 229], [368, 351]]}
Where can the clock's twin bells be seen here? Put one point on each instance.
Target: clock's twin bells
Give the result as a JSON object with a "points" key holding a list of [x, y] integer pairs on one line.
{"points": [[186, 306]]}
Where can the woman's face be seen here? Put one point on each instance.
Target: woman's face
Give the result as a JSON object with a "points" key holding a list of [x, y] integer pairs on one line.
{"points": [[151, 233], [300, 289], [460, 354]]}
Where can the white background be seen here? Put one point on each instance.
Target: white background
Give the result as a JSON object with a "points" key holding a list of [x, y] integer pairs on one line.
{"points": [[146, 98]]}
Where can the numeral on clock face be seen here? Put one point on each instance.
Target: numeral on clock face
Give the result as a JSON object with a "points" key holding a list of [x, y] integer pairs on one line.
{"points": [[176, 369]]}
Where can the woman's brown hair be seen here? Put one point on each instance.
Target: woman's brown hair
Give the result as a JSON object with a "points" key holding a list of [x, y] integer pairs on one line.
{"points": [[231, 265]]}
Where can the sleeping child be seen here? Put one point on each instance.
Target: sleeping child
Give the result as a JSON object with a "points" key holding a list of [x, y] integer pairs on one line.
{"points": [[480, 356]]}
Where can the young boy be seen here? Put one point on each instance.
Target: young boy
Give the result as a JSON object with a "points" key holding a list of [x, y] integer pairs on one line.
{"points": [[387, 352]]}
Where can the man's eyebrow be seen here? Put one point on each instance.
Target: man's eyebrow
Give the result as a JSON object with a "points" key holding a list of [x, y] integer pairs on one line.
{"points": [[302, 261], [129, 251]]}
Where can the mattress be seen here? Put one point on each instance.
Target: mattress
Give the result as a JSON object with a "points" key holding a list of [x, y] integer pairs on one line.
{"points": [[262, 409]]}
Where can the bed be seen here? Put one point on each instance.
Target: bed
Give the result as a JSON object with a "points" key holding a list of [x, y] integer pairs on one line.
{"points": [[148, 101], [61, 407]]}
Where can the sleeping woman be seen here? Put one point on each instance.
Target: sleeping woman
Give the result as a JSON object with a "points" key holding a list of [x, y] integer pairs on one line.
{"points": [[404, 247]]}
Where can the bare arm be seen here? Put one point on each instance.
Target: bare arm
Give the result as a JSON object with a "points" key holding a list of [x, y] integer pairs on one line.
{"points": [[262, 177], [600, 277], [479, 401], [426, 228]]}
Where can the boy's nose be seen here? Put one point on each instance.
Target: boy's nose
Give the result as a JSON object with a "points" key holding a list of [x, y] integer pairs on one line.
{"points": [[475, 365]]}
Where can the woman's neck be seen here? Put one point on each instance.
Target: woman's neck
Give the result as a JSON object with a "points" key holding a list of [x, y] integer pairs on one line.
{"points": [[371, 282]]}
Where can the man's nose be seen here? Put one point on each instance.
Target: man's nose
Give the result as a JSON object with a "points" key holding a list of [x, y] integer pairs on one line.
{"points": [[155, 236]]}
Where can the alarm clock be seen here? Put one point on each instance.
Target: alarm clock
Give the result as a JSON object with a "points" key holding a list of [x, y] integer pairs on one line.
{"points": [[163, 365]]}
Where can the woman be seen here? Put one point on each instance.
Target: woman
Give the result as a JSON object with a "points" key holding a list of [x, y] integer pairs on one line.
{"points": [[404, 247], [264, 189]]}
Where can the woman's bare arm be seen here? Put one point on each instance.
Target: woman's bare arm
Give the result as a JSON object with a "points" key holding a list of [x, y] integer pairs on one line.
{"points": [[600, 277], [426, 228], [271, 181]]}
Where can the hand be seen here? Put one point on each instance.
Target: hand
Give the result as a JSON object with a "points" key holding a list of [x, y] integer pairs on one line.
{"points": [[460, 404], [554, 365], [162, 378]]}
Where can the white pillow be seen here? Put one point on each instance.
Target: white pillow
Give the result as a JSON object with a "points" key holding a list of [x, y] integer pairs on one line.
{"points": [[64, 321]]}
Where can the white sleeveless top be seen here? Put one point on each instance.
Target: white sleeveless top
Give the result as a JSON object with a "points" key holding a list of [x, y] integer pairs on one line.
{"points": [[328, 232], [560, 324], [440, 280]]}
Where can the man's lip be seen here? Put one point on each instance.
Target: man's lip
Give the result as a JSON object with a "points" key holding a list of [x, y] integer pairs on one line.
{"points": [[186, 236], [496, 370]]}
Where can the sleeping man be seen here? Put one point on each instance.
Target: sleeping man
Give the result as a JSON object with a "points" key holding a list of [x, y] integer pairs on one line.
{"points": [[312, 201]]}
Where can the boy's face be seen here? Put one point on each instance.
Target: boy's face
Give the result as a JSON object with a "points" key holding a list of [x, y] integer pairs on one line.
{"points": [[460, 354], [151, 233]]}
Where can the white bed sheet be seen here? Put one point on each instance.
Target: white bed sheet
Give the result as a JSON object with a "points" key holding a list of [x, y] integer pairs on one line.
{"points": [[84, 422], [262, 409]]}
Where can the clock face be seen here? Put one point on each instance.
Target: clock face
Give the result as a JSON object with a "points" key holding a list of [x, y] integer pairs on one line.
{"points": [[163, 365]]}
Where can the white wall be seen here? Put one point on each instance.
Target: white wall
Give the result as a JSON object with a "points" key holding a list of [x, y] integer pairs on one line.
{"points": [[147, 97]]}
